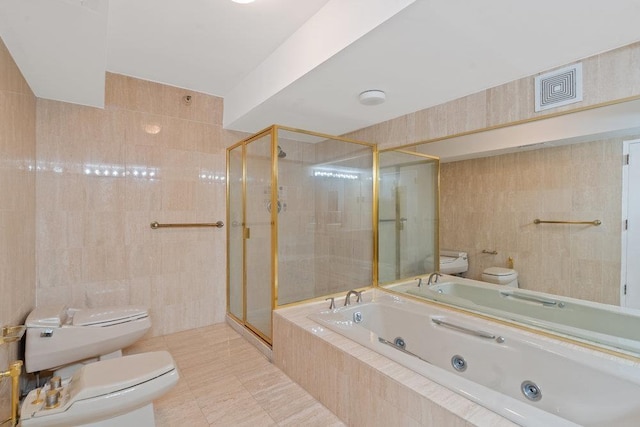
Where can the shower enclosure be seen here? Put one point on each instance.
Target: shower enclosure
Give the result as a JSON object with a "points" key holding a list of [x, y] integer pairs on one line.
{"points": [[407, 214], [300, 209]]}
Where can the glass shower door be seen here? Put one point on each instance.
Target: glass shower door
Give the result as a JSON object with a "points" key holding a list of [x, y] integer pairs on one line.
{"points": [[407, 215], [257, 235]]}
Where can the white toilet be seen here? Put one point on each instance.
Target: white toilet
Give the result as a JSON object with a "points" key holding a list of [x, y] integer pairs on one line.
{"points": [[58, 336], [110, 393], [501, 276], [453, 262]]}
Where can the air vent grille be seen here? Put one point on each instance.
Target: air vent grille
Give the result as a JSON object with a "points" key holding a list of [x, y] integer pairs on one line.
{"points": [[559, 87]]}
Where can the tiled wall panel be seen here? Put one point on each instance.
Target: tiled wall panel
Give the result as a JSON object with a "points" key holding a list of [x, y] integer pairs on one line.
{"points": [[105, 175], [17, 207]]}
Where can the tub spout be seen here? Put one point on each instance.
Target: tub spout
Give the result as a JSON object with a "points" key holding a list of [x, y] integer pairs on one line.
{"points": [[347, 299], [433, 278]]}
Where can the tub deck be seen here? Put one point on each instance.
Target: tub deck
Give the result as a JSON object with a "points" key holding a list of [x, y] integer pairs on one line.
{"points": [[343, 374], [361, 386]]}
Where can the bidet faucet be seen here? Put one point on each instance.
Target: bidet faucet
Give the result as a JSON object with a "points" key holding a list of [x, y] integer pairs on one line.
{"points": [[431, 280], [347, 299]]}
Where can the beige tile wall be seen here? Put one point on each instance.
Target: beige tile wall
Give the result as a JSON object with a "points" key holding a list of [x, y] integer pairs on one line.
{"points": [[325, 231], [17, 207], [607, 77], [490, 203], [105, 175]]}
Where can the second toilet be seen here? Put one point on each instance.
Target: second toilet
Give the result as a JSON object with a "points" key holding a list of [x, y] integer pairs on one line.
{"points": [[501, 276]]}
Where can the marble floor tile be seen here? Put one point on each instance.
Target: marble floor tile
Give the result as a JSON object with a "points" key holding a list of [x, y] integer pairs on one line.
{"points": [[225, 381]]}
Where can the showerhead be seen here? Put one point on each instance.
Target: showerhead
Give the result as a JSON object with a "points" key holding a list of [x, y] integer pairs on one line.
{"points": [[281, 153]]}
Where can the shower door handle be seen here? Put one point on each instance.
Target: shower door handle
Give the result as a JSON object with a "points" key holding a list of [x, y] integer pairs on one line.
{"points": [[400, 222]]}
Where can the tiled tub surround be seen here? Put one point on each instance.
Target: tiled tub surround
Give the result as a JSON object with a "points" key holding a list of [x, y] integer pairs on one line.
{"points": [[360, 385]]}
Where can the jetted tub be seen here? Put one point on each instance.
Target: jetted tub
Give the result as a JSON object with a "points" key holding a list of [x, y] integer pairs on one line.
{"points": [[530, 380], [613, 326]]}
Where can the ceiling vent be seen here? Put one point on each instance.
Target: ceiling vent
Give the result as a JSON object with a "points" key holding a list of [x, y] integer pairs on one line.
{"points": [[559, 87]]}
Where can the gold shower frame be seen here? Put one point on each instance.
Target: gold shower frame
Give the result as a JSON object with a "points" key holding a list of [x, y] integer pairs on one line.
{"points": [[272, 131]]}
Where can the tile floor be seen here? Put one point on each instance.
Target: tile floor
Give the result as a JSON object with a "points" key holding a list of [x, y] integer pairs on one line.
{"points": [[225, 381]]}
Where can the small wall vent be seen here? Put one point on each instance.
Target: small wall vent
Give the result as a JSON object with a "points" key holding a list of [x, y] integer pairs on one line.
{"points": [[559, 87]]}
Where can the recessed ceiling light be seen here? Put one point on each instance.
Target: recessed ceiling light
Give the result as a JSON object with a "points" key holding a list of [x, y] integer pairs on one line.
{"points": [[372, 97], [243, 1]]}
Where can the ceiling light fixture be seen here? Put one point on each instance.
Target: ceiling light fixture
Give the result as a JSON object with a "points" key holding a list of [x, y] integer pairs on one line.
{"points": [[243, 1], [372, 97]]}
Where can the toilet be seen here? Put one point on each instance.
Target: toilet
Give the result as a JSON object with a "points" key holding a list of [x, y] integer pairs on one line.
{"points": [[501, 276], [453, 262], [109, 393], [58, 336]]}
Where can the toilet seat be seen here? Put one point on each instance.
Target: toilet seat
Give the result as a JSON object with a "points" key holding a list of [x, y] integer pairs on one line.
{"points": [[108, 316], [110, 376], [55, 316], [499, 272], [106, 390]]}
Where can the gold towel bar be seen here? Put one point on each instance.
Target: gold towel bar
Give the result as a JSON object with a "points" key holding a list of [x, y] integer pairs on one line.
{"points": [[594, 222], [155, 225]]}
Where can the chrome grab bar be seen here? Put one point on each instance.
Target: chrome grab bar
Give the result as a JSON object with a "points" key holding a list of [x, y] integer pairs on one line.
{"points": [[393, 220], [481, 334], [531, 298]]}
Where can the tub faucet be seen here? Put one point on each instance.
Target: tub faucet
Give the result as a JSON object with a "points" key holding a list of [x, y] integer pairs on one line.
{"points": [[433, 278], [347, 299], [419, 279]]}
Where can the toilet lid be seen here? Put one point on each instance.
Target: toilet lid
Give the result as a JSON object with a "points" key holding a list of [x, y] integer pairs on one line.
{"points": [[107, 316], [112, 375], [47, 316], [499, 271]]}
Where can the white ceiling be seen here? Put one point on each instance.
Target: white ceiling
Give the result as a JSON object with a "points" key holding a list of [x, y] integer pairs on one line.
{"points": [[303, 63]]}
